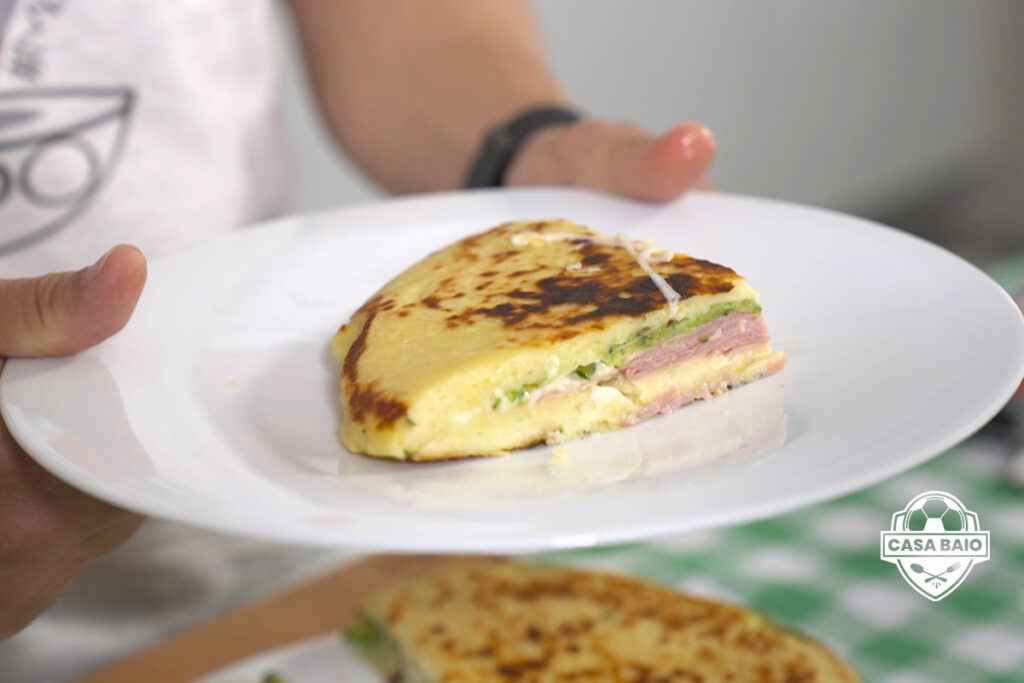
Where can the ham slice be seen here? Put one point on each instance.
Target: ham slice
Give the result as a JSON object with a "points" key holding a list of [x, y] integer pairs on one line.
{"points": [[719, 336], [723, 335], [673, 400]]}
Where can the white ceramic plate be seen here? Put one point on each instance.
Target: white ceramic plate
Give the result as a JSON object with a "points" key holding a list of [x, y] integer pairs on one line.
{"points": [[325, 659], [216, 405]]}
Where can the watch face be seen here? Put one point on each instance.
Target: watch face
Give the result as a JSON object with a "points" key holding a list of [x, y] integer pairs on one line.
{"points": [[57, 146]]}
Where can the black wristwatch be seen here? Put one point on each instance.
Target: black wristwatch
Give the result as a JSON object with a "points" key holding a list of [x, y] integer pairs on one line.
{"points": [[502, 143]]}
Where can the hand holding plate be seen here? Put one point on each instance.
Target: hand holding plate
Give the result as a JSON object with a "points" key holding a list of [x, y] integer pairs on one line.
{"points": [[49, 531]]}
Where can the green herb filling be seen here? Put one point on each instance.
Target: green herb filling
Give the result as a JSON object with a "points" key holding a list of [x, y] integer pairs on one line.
{"points": [[618, 354], [364, 634]]}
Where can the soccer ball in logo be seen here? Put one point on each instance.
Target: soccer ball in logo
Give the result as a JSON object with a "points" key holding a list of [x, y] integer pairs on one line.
{"points": [[935, 514]]}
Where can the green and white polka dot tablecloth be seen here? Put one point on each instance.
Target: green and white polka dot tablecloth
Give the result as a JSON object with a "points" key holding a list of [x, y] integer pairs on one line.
{"points": [[818, 570]]}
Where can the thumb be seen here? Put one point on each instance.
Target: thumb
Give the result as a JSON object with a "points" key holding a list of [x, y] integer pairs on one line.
{"points": [[64, 313], [617, 158]]}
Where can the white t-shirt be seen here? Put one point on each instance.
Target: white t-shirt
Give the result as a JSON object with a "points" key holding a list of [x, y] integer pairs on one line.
{"points": [[158, 124]]}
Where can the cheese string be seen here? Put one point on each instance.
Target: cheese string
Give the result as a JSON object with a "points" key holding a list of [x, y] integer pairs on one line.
{"points": [[642, 257], [671, 295]]}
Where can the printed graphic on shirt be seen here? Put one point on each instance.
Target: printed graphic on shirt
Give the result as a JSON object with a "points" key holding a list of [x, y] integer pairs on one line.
{"points": [[22, 34], [58, 145]]}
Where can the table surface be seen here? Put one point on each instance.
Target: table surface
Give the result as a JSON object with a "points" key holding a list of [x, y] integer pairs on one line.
{"points": [[816, 569]]}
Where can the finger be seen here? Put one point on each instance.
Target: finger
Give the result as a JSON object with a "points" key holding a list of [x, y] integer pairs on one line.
{"points": [[63, 313], [657, 168], [617, 158], [704, 184]]}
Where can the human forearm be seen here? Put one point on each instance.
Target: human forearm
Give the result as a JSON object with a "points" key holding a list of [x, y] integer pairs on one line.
{"points": [[410, 88]]}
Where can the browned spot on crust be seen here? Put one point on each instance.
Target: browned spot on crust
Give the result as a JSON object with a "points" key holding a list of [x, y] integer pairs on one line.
{"points": [[757, 641], [371, 304], [800, 672], [396, 611], [556, 299], [519, 273], [712, 268], [431, 302], [598, 299], [402, 313], [516, 670], [348, 367], [465, 252], [365, 399], [503, 256]]}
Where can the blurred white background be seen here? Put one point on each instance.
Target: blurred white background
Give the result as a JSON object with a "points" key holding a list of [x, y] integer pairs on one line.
{"points": [[903, 111]]}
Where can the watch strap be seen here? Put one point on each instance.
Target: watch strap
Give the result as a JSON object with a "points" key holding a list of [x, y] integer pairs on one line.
{"points": [[502, 143]]}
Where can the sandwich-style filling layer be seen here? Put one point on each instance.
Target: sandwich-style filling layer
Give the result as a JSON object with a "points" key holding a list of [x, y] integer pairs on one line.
{"points": [[728, 351], [722, 330], [721, 336], [619, 354], [628, 351]]}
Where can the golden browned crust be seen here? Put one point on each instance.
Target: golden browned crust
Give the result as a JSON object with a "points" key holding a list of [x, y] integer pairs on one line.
{"points": [[501, 621], [365, 399]]}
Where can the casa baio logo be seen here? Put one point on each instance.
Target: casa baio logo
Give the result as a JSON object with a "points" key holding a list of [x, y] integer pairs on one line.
{"points": [[935, 541]]}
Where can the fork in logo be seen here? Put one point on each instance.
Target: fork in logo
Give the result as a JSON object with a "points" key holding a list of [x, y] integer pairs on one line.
{"points": [[940, 577]]}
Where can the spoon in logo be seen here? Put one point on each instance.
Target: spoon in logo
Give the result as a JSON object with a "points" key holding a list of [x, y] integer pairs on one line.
{"points": [[940, 577]]}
